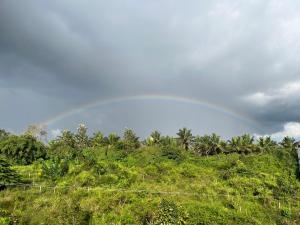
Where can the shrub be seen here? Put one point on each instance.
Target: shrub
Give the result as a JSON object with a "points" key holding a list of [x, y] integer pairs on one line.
{"points": [[54, 169], [169, 213], [172, 153]]}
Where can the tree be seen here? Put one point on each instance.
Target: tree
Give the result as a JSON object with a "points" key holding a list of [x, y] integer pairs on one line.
{"points": [[3, 134], [185, 137], [23, 149], [38, 131], [130, 140], [209, 145], [98, 140], [63, 146], [8, 176], [242, 144], [81, 137], [155, 137], [112, 140], [66, 138], [288, 142], [266, 143], [167, 141]]}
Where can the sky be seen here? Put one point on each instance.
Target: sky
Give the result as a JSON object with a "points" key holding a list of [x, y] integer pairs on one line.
{"points": [[229, 67]]}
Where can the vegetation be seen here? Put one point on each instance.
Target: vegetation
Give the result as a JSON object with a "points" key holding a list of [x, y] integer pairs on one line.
{"points": [[77, 179], [8, 176]]}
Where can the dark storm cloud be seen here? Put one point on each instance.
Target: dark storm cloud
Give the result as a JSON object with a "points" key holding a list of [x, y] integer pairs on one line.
{"points": [[65, 53]]}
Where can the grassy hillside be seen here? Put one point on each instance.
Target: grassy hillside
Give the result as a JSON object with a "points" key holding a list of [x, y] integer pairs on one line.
{"points": [[156, 185]]}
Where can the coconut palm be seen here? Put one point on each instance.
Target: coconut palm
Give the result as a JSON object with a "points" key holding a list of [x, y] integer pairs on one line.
{"points": [[185, 137], [111, 142], [288, 142], [242, 144], [112, 139], [155, 137], [266, 143], [209, 145], [98, 140]]}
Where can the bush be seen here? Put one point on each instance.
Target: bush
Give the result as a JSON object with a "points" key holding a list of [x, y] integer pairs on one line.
{"points": [[54, 169], [169, 213], [286, 213], [173, 154]]}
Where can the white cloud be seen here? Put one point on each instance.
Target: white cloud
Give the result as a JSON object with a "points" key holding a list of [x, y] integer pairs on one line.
{"points": [[288, 90], [291, 129]]}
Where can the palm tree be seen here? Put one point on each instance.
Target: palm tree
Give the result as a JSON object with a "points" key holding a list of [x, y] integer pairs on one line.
{"points": [[209, 145], [167, 141], [242, 144], [155, 137], [185, 137], [98, 140], [288, 142], [217, 145], [111, 140], [266, 143], [201, 145]]}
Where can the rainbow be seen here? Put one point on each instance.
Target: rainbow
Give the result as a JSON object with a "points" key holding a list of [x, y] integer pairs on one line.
{"points": [[100, 102]]}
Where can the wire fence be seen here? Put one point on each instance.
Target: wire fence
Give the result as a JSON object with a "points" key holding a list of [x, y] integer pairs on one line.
{"points": [[279, 202], [34, 177], [55, 188]]}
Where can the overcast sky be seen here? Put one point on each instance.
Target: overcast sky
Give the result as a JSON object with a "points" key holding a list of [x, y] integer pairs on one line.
{"points": [[240, 56]]}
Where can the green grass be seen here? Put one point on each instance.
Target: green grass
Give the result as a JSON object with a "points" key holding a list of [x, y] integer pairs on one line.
{"points": [[221, 189]]}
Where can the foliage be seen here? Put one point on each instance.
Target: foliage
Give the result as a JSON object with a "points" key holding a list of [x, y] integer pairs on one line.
{"points": [[67, 138], [22, 149], [130, 140], [167, 141], [8, 176], [172, 153], [288, 142], [155, 138], [5, 218], [169, 213], [119, 181], [98, 140], [185, 137], [242, 144], [266, 143], [3, 134], [81, 137], [54, 169], [209, 145]]}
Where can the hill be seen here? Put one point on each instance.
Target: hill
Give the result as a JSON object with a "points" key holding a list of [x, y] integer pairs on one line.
{"points": [[153, 184]]}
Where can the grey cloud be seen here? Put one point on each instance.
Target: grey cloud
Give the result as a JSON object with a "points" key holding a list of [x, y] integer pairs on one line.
{"points": [[66, 53]]}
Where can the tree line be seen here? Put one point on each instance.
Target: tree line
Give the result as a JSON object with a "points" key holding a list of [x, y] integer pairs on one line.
{"points": [[28, 147]]}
